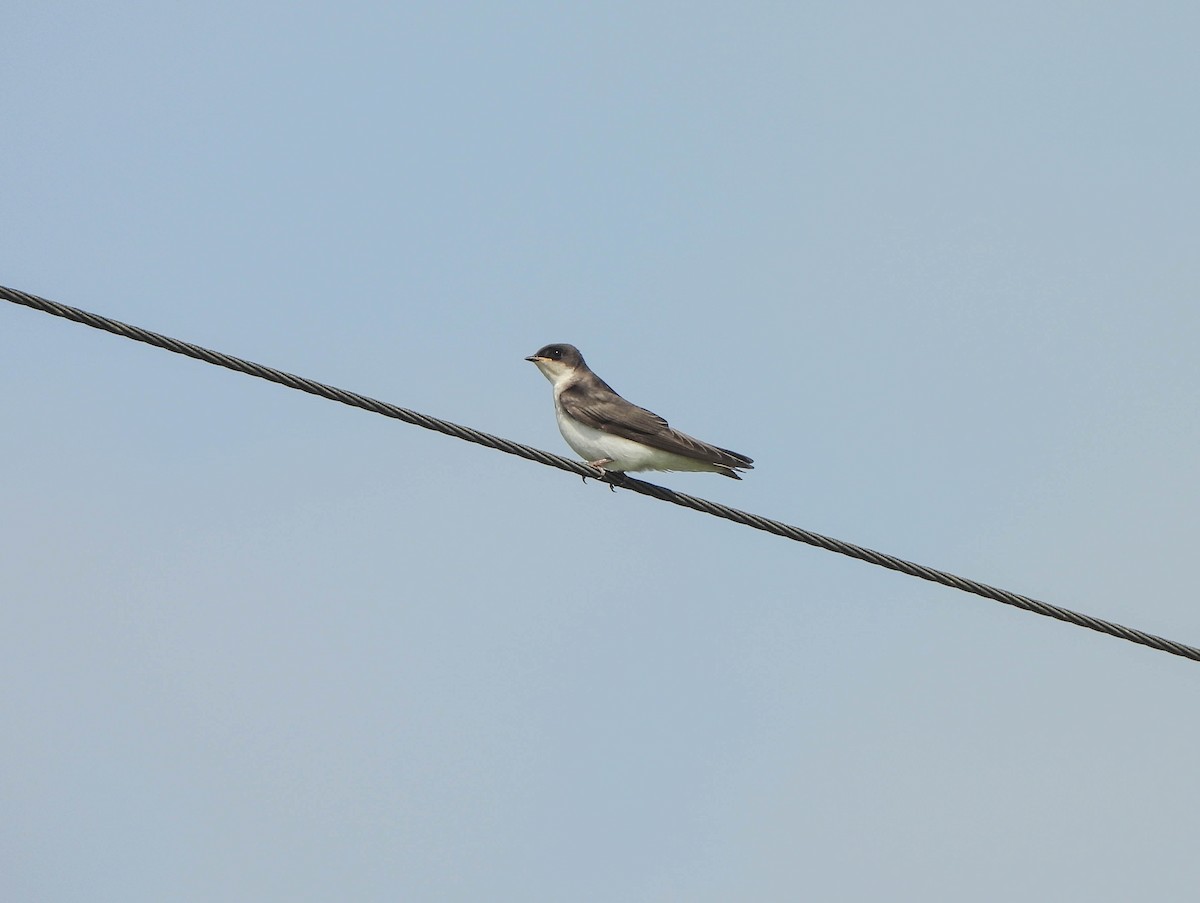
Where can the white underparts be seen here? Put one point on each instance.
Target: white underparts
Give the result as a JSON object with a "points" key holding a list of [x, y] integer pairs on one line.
{"points": [[592, 444]]}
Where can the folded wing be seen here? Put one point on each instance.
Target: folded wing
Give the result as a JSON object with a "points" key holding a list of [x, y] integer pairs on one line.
{"points": [[613, 414]]}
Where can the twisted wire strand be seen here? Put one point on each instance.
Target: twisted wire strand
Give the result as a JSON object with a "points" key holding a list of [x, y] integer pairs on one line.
{"points": [[619, 481]]}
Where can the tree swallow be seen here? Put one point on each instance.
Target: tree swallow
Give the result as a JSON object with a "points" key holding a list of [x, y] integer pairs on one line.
{"points": [[615, 435]]}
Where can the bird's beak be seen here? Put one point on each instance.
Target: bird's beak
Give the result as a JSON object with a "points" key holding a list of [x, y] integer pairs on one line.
{"points": [[533, 358]]}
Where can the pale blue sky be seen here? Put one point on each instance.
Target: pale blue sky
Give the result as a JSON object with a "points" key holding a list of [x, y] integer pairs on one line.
{"points": [[933, 265]]}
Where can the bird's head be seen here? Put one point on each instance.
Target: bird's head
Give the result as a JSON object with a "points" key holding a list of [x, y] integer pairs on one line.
{"points": [[557, 361]]}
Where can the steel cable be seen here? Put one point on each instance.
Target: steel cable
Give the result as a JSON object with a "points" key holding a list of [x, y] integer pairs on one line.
{"points": [[618, 481]]}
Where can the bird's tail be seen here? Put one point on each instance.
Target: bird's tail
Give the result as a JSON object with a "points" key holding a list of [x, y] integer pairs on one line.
{"points": [[730, 460]]}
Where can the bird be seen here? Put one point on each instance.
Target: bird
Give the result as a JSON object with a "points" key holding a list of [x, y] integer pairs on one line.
{"points": [[616, 435]]}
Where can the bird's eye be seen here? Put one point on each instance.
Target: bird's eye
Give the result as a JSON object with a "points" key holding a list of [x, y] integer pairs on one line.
{"points": [[556, 354]]}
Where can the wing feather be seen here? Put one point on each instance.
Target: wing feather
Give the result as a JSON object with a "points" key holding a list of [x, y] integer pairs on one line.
{"points": [[599, 407]]}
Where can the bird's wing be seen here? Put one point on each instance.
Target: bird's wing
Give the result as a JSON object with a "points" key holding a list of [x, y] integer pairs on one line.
{"points": [[608, 411]]}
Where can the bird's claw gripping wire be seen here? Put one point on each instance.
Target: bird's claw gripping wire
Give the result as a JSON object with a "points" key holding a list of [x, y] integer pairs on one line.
{"points": [[604, 474]]}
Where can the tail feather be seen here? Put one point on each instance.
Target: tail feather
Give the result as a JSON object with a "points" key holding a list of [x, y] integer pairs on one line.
{"points": [[734, 459]]}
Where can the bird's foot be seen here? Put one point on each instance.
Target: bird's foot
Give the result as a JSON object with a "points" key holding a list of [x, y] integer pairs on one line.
{"points": [[614, 479], [599, 464]]}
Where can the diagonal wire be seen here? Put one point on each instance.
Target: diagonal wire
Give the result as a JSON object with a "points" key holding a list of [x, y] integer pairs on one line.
{"points": [[661, 493]]}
